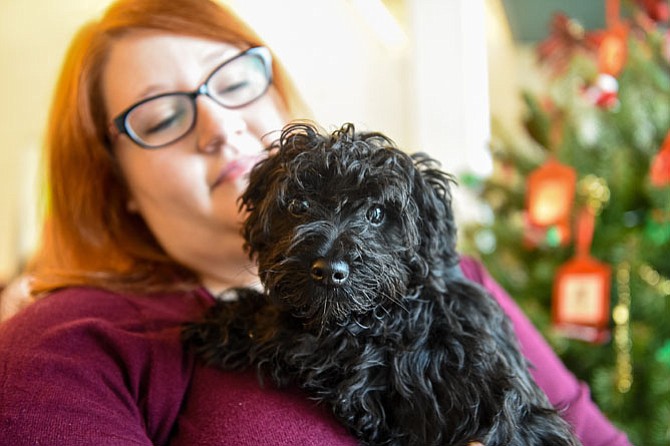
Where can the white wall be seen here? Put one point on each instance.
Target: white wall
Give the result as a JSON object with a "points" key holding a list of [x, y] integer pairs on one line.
{"points": [[343, 69], [448, 92], [33, 38], [449, 83], [429, 94]]}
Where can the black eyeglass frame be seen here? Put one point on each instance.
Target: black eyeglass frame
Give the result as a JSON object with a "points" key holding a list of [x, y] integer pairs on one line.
{"points": [[119, 123]]}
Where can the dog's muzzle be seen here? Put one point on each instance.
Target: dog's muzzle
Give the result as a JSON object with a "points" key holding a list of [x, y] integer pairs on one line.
{"points": [[333, 273]]}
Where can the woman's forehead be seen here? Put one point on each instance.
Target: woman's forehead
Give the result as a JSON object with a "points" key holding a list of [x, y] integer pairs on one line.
{"points": [[145, 63]]}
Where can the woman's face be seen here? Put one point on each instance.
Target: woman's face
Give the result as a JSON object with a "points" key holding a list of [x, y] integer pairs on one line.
{"points": [[187, 191]]}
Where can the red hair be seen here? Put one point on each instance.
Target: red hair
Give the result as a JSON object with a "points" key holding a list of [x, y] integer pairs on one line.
{"points": [[89, 237]]}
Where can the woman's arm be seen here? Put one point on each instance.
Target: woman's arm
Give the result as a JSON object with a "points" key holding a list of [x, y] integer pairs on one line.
{"points": [[562, 388], [76, 368]]}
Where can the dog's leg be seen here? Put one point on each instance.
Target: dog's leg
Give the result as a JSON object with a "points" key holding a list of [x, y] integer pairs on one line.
{"points": [[477, 341], [224, 337]]}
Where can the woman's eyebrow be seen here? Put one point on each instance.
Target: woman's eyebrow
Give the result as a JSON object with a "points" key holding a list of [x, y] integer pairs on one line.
{"points": [[219, 55]]}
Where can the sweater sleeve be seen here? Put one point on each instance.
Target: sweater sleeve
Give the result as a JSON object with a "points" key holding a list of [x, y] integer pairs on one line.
{"points": [[86, 367], [74, 369], [562, 388]]}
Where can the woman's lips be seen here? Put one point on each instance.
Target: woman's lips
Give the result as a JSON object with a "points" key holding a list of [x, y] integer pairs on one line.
{"points": [[235, 170]]}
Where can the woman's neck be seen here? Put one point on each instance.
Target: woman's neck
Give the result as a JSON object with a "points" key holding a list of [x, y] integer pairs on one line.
{"points": [[244, 276]]}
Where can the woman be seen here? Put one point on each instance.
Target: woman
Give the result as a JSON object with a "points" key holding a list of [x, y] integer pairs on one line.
{"points": [[160, 110]]}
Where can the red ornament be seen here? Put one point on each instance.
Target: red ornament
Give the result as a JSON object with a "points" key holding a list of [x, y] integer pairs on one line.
{"points": [[612, 51], [581, 298], [550, 194], [659, 173], [567, 38], [604, 93], [657, 10]]}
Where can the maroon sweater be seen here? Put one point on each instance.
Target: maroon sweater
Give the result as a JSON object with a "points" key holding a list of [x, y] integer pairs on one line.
{"points": [[90, 367]]}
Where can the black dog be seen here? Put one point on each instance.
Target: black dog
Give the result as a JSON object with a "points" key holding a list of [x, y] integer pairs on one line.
{"points": [[365, 307]]}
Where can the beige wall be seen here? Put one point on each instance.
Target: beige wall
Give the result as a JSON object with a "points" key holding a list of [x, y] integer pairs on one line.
{"points": [[382, 86], [33, 36]]}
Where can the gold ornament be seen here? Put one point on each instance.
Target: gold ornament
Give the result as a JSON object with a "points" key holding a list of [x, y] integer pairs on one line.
{"points": [[654, 279], [595, 191], [622, 339]]}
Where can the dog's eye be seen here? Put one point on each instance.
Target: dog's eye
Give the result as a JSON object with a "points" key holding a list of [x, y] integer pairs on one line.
{"points": [[298, 207], [375, 214]]}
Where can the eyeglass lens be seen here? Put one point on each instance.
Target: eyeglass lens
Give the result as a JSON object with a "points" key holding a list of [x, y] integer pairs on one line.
{"points": [[161, 120], [164, 119]]}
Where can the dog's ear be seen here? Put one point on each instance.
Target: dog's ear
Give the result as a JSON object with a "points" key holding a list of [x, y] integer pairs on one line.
{"points": [[267, 181], [432, 195], [256, 202]]}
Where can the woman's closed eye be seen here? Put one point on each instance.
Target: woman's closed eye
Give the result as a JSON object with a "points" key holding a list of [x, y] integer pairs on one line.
{"points": [[161, 123], [232, 88]]}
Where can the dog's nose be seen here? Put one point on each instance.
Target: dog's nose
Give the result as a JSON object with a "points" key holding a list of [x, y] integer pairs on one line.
{"points": [[333, 273]]}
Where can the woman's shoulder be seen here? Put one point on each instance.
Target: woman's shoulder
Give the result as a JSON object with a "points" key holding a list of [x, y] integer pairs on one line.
{"points": [[110, 307], [76, 302], [86, 355], [472, 269], [83, 323]]}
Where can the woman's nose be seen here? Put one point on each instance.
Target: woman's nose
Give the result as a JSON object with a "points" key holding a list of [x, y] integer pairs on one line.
{"points": [[216, 125]]}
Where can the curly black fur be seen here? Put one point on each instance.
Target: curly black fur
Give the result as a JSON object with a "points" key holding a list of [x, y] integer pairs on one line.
{"points": [[365, 307]]}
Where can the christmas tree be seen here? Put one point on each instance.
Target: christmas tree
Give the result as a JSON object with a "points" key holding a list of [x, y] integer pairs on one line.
{"points": [[579, 232]]}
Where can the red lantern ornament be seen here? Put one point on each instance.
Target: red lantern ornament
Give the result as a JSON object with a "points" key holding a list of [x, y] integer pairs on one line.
{"points": [[659, 173], [612, 50], [550, 194], [581, 295]]}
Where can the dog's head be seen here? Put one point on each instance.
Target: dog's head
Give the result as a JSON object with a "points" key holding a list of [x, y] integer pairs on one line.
{"points": [[345, 224]]}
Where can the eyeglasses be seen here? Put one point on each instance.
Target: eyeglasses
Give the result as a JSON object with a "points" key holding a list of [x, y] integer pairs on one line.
{"points": [[163, 119]]}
